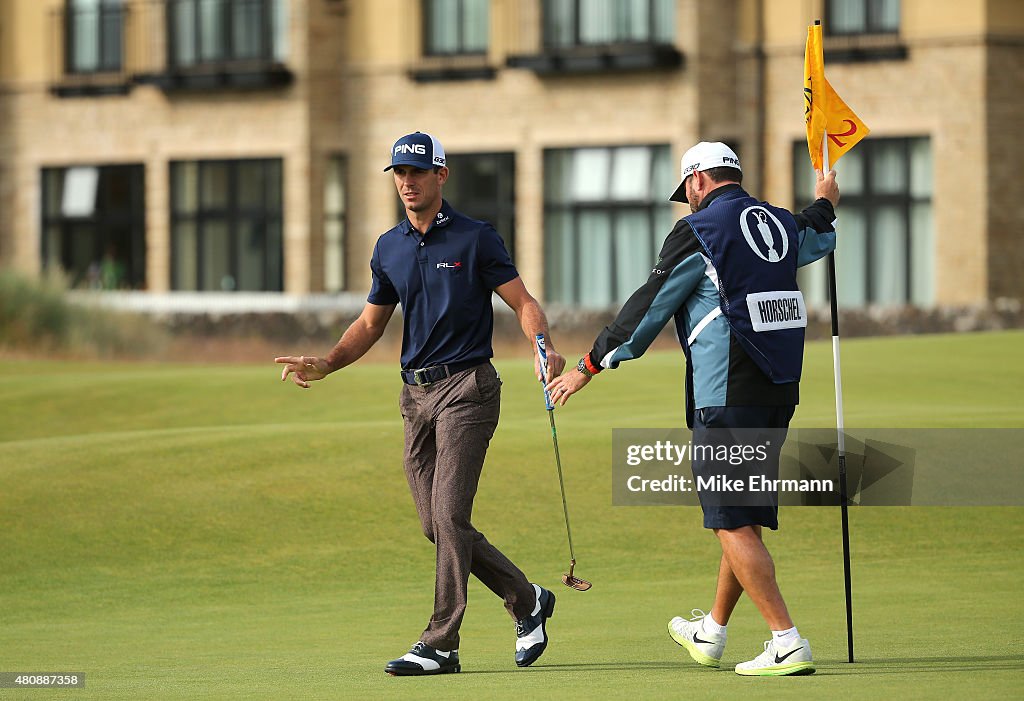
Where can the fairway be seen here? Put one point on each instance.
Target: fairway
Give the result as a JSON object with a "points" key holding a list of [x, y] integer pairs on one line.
{"points": [[207, 532]]}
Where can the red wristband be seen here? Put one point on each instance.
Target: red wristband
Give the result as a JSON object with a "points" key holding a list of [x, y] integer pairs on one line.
{"points": [[590, 365]]}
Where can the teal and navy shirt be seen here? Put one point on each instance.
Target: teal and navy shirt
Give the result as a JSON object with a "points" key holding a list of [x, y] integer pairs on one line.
{"points": [[684, 285]]}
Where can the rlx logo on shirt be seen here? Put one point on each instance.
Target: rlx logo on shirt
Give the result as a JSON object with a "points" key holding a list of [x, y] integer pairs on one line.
{"points": [[457, 264]]}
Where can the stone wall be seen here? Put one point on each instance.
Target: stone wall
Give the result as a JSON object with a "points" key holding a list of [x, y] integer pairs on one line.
{"points": [[574, 331]]}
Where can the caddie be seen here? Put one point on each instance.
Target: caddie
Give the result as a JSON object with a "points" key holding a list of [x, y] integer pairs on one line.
{"points": [[727, 274]]}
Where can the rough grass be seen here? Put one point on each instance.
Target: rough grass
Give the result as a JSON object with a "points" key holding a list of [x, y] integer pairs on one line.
{"points": [[36, 319]]}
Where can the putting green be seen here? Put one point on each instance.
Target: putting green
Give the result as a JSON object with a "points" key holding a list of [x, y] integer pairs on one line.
{"points": [[208, 532]]}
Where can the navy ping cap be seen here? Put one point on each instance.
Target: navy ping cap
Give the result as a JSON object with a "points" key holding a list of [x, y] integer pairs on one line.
{"points": [[419, 150]]}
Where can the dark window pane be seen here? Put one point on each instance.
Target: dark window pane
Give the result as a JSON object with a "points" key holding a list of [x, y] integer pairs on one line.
{"points": [[252, 245], [606, 215], [862, 16], [85, 23], [184, 250], [183, 17], [885, 250], [475, 26], [53, 187], [214, 185], [456, 26], [273, 194], [560, 262], [442, 20], [216, 257], [211, 29], [581, 22], [250, 185], [110, 40], [275, 252], [247, 28], [560, 22], [184, 187], [227, 227], [101, 246], [889, 243], [847, 16], [885, 15], [482, 186]]}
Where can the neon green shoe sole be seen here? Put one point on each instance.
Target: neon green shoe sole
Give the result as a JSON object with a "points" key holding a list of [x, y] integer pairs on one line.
{"points": [[698, 656], [780, 670]]}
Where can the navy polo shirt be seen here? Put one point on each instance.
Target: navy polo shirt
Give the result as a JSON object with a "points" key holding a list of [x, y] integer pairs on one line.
{"points": [[443, 280]]}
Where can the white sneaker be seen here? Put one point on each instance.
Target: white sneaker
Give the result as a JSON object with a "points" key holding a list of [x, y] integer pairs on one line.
{"points": [[705, 648], [778, 662]]}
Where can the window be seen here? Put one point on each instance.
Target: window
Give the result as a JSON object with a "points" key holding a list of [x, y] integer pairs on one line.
{"points": [[334, 225], [94, 36], [885, 254], [455, 27], [482, 186], [93, 220], [226, 219], [582, 22], [844, 17], [606, 213], [219, 31]]}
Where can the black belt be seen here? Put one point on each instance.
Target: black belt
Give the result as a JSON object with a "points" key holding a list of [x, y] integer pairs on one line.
{"points": [[436, 373]]}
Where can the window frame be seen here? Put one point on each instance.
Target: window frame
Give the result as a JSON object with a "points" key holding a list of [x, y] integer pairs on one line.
{"points": [[101, 218], [460, 50], [225, 44], [869, 26], [609, 208], [103, 10], [551, 43], [504, 209], [232, 214], [867, 201]]}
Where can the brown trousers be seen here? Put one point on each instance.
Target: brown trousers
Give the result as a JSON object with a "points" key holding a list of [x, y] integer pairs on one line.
{"points": [[448, 425]]}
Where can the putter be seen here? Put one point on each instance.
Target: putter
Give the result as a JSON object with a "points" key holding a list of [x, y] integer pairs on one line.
{"points": [[568, 579]]}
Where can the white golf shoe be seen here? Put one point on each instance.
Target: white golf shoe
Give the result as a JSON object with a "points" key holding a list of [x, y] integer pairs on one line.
{"points": [[778, 662], [705, 648]]}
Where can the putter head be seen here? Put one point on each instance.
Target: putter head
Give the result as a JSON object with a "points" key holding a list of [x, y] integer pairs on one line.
{"points": [[575, 582]]}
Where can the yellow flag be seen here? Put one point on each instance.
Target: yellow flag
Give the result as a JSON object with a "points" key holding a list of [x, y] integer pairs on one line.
{"points": [[824, 110]]}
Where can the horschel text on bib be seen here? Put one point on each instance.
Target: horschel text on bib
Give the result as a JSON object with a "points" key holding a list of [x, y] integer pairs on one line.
{"points": [[772, 311]]}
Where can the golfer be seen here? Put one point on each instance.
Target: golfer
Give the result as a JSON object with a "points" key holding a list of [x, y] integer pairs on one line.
{"points": [[442, 266], [727, 273]]}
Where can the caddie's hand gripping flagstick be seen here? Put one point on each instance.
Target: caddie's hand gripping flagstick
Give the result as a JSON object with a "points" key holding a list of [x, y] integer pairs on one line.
{"points": [[568, 579]]}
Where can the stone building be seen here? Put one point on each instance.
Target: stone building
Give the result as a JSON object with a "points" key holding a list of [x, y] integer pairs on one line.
{"points": [[237, 145]]}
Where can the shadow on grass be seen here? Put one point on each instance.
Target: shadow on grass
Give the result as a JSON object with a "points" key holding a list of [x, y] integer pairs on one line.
{"points": [[583, 666], [918, 665], [868, 666]]}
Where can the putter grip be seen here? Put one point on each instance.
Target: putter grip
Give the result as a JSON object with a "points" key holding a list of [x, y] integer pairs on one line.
{"points": [[542, 352]]}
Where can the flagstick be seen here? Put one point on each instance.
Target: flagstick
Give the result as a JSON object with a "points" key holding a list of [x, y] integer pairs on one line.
{"points": [[843, 497]]}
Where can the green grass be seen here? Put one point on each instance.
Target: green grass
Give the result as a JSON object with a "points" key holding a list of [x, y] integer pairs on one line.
{"points": [[208, 532]]}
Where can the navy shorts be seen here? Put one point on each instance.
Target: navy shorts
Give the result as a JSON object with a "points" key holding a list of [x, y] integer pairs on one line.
{"points": [[761, 425]]}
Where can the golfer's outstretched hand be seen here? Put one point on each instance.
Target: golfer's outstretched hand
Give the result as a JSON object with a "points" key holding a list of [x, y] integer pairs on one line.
{"points": [[556, 363], [303, 369], [564, 386]]}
